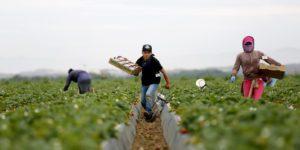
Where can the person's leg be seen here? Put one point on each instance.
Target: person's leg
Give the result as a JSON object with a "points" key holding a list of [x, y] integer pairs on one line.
{"points": [[84, 86], [246, 87], [79, 88], [151, 96], [273, 82], [84, 83], [143, 96], [257, 92]]}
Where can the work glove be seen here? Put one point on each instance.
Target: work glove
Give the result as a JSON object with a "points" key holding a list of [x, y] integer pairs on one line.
{"points": [[232, 79]]}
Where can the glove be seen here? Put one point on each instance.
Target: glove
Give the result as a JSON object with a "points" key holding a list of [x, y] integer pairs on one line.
{"points": [[232, 79]]}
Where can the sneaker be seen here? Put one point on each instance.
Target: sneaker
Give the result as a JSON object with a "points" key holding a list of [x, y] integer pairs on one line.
{"points": [[146, 115], [151, 117]]}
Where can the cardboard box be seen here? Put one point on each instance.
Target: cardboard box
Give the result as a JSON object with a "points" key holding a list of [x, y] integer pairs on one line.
{"points": [[272, 71], [125, 65]]}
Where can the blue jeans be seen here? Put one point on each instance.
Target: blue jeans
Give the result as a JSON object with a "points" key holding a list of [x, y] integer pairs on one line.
{"points": [[148, 96], [271, 83]]}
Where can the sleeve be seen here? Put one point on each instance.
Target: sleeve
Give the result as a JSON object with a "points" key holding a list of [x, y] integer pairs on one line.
{"points": [[68, 82], [237, 63], [158, 66], [139, 62], [269, 60]]}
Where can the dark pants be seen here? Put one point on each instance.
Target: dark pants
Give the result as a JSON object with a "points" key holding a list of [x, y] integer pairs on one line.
{"points": [[84, 83]]}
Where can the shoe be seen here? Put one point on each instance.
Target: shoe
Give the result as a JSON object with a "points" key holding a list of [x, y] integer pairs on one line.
{"points": [[146, 115], [151, 117]]}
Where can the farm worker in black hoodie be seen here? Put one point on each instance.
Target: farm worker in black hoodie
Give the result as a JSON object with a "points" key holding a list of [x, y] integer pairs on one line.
{"points": [[151, 69], [82, 78]]}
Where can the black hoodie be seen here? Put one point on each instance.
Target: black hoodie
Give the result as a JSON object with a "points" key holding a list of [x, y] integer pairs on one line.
{"points": [[150, 70]]}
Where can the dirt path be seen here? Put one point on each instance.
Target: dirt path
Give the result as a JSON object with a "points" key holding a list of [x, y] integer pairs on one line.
{"points": [[149, 136]]}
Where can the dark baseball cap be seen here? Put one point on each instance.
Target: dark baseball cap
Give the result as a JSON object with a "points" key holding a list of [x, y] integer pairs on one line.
{"points": [[147, 48]]}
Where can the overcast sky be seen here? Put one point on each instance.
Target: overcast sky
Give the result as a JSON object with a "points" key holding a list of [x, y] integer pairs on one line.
{"points": [[186, 34]]}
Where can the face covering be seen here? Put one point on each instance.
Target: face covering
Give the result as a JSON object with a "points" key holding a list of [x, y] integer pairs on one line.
{"points": [[248, 44]]}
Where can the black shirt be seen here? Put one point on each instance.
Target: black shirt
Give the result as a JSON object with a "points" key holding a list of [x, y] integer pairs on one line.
{"points": [[150, 70]]}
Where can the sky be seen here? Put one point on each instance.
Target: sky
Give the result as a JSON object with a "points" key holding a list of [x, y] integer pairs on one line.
{"points": [[184, 34]]}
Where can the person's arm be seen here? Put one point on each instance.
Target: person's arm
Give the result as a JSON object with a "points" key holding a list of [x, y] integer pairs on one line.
{"points": [[68, 82], [236, 66], [139, 69], [159, 67], [235, 69], [138, 63], [269, 60], [166, 77]]}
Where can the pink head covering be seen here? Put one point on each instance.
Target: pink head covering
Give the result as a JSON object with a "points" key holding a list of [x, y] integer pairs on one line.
{"points": [[248, 44]]}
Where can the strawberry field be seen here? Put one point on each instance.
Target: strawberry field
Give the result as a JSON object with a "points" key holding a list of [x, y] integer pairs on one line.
{"points": [[218, 118], [37, 113]]}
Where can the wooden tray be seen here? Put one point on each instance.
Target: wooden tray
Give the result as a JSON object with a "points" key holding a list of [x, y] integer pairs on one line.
{"points": [[272, 71], [125, 65]]}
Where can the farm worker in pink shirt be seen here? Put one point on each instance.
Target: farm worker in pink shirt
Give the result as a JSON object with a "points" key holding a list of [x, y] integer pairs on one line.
{"points": [[252, 86]]}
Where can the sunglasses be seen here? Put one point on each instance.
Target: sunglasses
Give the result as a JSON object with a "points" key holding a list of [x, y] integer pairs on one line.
{"points": [[248, 43]]}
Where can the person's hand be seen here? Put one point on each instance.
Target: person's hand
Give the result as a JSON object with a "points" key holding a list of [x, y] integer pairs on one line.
{"points": [[167, 86], [139, 69], [232, 79]]}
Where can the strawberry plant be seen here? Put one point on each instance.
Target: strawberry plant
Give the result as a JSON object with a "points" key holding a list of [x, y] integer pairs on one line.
{"points": [[220, 118], [37, 113]]}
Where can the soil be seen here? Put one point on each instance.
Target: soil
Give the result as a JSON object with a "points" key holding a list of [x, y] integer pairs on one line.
{"points": [[149, 135]]}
